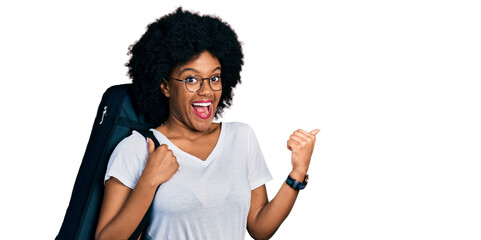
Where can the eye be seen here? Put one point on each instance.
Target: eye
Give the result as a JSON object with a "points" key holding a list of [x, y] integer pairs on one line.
{"points": [[215, 79], [191, 80]]}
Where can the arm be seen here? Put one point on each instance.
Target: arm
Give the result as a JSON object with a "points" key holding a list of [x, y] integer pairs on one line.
{"points": [[265, 217], [123, 208]]}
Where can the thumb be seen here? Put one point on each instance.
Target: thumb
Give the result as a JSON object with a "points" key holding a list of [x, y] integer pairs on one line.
{"points": [[150, 146], [315, 131]]}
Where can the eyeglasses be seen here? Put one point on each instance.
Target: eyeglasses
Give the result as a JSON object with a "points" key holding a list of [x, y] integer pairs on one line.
{"points": [[194, 83]]}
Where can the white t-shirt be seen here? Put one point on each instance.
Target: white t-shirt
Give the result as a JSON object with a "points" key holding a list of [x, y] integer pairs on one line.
{"points": [[204, 199]]}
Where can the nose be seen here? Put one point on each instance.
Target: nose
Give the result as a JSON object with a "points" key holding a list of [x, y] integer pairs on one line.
{"points": [[205, 89]]}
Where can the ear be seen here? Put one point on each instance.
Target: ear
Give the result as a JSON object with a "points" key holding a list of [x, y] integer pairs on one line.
{"points": [[165, 88]]}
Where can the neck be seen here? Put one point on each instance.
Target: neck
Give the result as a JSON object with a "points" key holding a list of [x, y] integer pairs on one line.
{"points": [[174, 128]]}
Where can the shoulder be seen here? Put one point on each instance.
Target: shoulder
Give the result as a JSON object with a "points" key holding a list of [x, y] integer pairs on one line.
{"points": [[134, 139], [237, 127], [237, 131], [128, 160], [133, 144]]}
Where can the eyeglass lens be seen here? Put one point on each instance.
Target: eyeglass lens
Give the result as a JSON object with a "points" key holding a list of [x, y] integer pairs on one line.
{"points": [[194, 83]]}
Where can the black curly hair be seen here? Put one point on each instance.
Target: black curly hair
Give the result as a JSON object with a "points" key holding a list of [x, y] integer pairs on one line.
{"points": [[171, 41]]}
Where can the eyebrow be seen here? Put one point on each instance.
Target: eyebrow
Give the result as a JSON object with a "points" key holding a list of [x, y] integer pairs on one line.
{"points": [[191, 69]]}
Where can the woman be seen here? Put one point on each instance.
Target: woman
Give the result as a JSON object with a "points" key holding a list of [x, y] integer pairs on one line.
{"points": [[211, 175]]}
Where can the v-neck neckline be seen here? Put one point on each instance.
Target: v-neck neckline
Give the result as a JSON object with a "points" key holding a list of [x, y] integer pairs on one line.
{"points": [[175, 149]]}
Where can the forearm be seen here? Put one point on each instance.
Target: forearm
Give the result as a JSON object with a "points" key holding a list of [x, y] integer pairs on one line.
{"points": [[271, 216], [129, 217]]}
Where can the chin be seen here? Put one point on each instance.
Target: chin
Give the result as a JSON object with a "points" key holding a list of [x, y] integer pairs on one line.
{"points": [[202, 122]]}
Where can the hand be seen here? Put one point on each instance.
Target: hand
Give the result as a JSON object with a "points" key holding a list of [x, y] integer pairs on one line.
{"points": [[301, 143], [161, 163]]}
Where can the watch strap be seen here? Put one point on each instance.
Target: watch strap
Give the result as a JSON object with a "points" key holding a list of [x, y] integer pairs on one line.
{"points": [[296, 184]]}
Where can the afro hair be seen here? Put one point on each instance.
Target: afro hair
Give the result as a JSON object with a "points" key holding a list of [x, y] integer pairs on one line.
{"points": [[172, 41]]}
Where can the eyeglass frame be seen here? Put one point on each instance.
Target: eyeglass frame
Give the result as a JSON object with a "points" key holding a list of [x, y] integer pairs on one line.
{"points": [[201, 83]]}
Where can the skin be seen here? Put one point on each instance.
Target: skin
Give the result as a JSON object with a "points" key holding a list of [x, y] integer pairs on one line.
{"points": [[123, 208], [183, 127]]}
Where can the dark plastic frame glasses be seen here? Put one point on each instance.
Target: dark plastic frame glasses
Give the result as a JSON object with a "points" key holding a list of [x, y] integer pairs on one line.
{"points": [[195, 82]]}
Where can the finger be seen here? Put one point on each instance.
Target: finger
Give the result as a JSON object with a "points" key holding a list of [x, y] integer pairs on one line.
{"points": [[311, 133], [315, 131], [304, 135], [150, 146], [292, 144], [298, 139]]}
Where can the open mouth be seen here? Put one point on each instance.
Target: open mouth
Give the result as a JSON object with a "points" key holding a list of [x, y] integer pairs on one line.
{"points": [[202, 109]]}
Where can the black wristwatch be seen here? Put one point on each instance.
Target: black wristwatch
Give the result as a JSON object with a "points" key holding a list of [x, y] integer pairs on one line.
{"points": [[296, 184]]}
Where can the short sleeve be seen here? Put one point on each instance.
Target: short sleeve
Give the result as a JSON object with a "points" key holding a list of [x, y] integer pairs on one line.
{"points": [[258, 172], [128, 160]]}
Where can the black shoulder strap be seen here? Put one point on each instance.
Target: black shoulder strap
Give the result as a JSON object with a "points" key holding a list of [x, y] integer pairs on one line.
{"points": [[149, 134], [141, 230]]}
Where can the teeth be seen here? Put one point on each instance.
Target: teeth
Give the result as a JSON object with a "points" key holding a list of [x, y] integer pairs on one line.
{"points": [[201, 104]]}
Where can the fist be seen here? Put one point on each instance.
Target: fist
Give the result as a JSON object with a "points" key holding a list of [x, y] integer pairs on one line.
{"points": [[301, 144], [161, 163]]}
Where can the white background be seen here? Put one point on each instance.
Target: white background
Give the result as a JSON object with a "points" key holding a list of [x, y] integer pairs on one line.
{"points": [[394, 86]]}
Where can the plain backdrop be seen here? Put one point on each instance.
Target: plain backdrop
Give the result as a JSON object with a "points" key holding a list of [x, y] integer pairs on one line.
{"points": [[395, 87]]}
